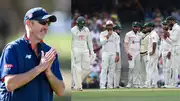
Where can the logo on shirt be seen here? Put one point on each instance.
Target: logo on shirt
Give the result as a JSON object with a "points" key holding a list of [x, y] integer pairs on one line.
{"points": [[8, 65], [81, 37], [28, 57]]}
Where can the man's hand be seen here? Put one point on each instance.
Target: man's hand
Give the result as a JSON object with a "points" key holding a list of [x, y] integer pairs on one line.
{"points": [[109, 34], [43, 63], [169, 55], [92, 58], [151, 53], [129, 56], [166, 34], [50, 55], [116, 58]]}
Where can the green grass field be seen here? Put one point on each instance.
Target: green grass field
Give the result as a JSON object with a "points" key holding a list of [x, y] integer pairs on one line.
{"points": [[127, 95]]}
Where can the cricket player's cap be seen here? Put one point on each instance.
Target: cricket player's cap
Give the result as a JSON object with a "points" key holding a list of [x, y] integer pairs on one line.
{"points": [[38, 14], [170, 18], [164, 22], [117, 27], [149, 24], [109, 22], [136, 24]]}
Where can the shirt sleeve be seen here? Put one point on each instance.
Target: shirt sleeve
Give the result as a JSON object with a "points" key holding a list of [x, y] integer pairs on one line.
{"points": [[174, 37], [126, 39], [155, 38], [117, 44], [56, 69], [8, 62], [126, 43], [89, 43], [103, 39]]}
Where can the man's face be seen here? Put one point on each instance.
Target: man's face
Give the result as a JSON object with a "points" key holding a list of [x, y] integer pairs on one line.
{"points": [[148, 29], [109, 27], [39, 29], [165, 27], [135, 28], [144, 30], [118, 31], [170, 23]]}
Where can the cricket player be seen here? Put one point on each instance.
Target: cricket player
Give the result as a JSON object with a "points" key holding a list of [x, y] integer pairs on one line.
{"points": [[110, 55], [153, 55], [132, 49], [82, 50], [117, 74], [165, 54], [30, 69], [173, 38], [144, 53]]}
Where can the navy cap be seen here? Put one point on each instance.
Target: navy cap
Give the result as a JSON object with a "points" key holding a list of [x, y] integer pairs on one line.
{"points": [[38, 14]]}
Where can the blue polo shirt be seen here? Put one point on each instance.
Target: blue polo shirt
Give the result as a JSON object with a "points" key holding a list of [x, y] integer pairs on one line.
{"points": [[18, 57]]}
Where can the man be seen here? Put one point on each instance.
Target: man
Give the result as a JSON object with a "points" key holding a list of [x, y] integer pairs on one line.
{"points": [[173, 39], [143, 53], [29, 67], [165, 55], [117, 74], [132, 49], [110, 55], [82, 50], [152, 69]]}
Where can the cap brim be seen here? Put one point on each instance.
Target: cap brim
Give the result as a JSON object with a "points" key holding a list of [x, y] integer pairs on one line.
{"points": [[52, 18]]}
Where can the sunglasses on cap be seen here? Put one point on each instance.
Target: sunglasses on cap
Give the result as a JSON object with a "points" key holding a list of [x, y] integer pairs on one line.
{"points": [[43, 22]]}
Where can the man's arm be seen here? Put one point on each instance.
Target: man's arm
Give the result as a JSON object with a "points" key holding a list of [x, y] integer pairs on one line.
{"points": [[53, 74], [89, 43], [173, 37], [104, 39], [56, 84], [13, 80], [155, 39], [117, 46], [126, 44]]}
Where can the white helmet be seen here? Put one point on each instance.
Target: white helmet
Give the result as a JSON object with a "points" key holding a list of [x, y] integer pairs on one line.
{"points": [[109, 22]]}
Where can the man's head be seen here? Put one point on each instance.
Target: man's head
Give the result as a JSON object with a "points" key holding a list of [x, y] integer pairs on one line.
{"points": [[171, 21], [143, 29], [165, 25], [80, 22], [135, 26], [36, 21], [109, 25], [149, 26], [117, 29]]}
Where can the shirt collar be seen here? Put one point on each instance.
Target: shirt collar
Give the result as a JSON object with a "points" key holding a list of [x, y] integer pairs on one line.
{"points": [[28, 41]]}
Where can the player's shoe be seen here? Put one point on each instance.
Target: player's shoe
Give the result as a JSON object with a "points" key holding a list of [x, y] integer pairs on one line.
{"points": [[102, 87], [77, 89], [128, 86], [110, 87]]}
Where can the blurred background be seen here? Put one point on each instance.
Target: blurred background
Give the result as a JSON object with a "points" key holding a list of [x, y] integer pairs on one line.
{"points": [[11, 27], [122, 13]]}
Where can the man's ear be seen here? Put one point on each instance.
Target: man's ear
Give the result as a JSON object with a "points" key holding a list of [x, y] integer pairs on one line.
{"points": [[28, 23]]}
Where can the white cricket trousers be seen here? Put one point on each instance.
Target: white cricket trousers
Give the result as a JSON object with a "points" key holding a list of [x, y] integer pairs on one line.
{"points": [[175, 65], [81, 66], [117, 74], [108, 69], [167, 70], [134, 77], [143, 68], [152, 70]]}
